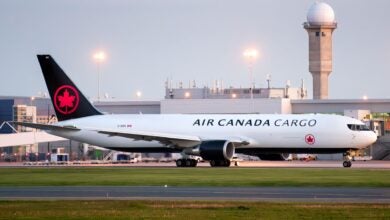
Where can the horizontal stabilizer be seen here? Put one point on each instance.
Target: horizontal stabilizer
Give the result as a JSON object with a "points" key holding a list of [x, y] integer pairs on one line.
{"points": [[45, 126]]}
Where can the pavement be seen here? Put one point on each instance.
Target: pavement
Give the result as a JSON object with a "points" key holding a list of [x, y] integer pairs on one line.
{"points": [[370, 164], [279, 194]]}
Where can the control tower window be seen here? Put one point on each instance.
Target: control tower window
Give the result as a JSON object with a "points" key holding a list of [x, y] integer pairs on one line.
{"points": [[355, 127], [317, 34]]}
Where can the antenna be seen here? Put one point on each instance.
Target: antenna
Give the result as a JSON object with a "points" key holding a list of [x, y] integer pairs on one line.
{"points": [[288, 84], [302, 89], [268, 78]]}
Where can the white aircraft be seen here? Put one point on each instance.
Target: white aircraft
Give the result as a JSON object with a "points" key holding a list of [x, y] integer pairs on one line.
{"points": [[214, 137]]}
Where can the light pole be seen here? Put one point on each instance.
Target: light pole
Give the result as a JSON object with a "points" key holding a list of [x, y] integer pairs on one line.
{"points": [[251, 55], [48, 122], [99, 57]]}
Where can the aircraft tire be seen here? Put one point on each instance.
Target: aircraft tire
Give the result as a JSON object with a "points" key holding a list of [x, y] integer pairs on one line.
{"points": [[186, 163], [179, 163], [194, 163], [220, 163], [213, 163], [347, 164]]}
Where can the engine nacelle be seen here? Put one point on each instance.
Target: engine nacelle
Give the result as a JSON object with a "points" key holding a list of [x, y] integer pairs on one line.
{"points": [[216, 150]]}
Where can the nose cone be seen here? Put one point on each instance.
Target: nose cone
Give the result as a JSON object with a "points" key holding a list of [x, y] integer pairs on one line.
{"points": [[365, 139], [372, 137]]}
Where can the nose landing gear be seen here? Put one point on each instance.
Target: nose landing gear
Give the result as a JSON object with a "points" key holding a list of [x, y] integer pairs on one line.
{"points": [[348, 158], [347, 163]]}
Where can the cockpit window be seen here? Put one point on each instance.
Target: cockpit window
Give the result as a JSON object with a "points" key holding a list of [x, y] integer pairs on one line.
{"points": [[355, 127]]}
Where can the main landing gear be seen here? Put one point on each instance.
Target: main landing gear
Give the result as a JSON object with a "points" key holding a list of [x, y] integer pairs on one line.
{"points": [[220, 163], [186, 163]]}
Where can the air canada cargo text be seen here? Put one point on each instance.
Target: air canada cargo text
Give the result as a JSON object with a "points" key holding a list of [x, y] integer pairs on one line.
{"points": [[256, 122]]}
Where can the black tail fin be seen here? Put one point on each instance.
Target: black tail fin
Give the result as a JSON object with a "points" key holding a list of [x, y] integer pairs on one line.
{"points": [[68, 101]]}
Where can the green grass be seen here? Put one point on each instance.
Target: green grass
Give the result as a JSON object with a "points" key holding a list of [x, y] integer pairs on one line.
{"points": [[188, 210], [116, 176]]}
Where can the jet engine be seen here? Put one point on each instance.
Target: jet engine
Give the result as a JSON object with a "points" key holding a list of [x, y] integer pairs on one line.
{"points": [[216, 150]]}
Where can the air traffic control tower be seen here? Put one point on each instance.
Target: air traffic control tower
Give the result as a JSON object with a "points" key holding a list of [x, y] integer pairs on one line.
{"points": [[320, 26]]}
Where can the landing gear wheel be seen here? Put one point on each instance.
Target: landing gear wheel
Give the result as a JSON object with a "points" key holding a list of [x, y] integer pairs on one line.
{"points": [[220, 163], [347, 164], [179, 163], [227, 163], [194, 163], [186, 163], [348, 157]]}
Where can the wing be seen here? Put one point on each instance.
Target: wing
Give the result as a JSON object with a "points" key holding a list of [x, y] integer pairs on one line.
{"points": [[175, 140]]}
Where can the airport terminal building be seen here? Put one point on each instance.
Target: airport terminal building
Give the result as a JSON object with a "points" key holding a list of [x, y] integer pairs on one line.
{"points": [[374, 112]]}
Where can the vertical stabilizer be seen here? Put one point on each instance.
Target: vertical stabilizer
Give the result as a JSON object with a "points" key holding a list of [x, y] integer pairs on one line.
{"points": [[68, 101]]}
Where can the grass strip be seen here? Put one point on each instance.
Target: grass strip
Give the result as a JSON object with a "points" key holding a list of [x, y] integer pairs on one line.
{"points": [[124, 176], [188, 210]]}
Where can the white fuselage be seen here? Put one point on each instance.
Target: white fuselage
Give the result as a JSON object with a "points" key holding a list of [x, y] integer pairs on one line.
{"points": [[260, 130]]}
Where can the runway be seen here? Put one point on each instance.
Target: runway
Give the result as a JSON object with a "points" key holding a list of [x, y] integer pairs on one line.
{"points": [[280, 194], [371, 164]]}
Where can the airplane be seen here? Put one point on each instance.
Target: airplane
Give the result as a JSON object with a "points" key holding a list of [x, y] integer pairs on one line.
{"points": [[214, 137]]}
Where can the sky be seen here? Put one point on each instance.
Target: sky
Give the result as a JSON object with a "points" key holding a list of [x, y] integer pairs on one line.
{"points": [[148, 41]]}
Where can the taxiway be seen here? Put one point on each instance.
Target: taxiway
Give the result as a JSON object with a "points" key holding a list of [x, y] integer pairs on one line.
{"points": [[281, 194], [371, 164]]}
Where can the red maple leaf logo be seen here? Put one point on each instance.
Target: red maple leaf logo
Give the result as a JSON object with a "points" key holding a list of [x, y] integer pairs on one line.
{"points": [[66, 100], [310, 139]]}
